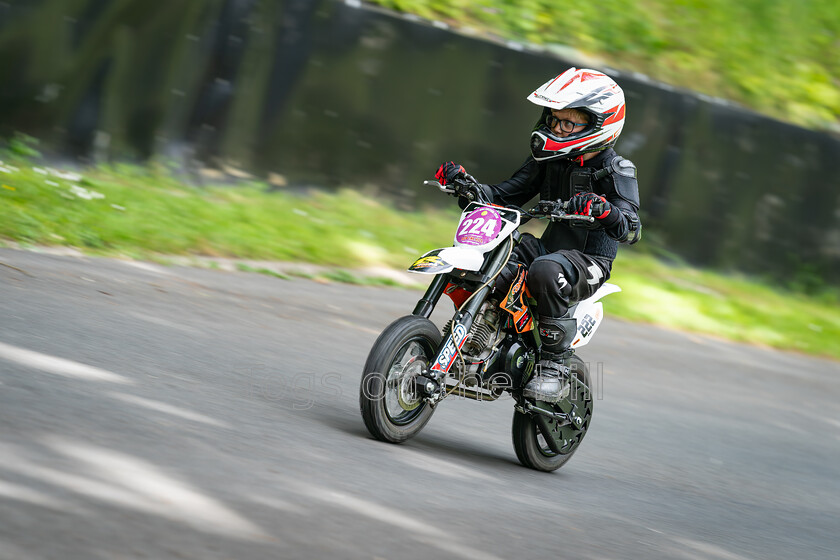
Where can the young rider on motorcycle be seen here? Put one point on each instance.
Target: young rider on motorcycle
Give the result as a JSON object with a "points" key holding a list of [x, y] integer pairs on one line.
{"points": [[571, 160]]}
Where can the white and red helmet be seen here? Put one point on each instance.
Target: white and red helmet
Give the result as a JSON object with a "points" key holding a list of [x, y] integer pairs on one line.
{"points": [[589, 91]]}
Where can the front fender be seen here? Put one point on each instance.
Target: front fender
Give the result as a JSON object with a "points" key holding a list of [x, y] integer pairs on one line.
{"points": [[441, 261]]}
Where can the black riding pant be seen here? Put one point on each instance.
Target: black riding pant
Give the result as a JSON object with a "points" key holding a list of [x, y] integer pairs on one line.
{"points": [[556, 280]]}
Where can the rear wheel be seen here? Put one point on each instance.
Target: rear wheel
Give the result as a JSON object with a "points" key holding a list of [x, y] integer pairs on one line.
{"points": [[530, 434], [391, 407]]}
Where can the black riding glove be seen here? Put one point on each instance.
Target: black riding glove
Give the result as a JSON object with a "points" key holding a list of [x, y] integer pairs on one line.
{"points": [[449, 172], [589, 204]]}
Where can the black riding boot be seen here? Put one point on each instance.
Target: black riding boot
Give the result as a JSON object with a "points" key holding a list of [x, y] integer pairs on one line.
{"points": [[551, 381]]}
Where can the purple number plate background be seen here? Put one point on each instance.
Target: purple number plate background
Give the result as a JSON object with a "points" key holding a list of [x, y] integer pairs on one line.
{"points": [[473, 229]]}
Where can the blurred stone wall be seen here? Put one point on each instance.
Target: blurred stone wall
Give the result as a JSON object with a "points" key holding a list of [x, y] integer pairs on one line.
{"points": [[328, 93]]}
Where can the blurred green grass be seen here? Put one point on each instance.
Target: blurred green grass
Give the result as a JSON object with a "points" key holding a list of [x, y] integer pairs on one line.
{"points": [[730, 306], [775, 56], [142, 212], [146, 212]]}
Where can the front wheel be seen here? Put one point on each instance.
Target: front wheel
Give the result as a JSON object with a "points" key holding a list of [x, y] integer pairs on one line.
{"points": [[391, 407], [530, 435]]}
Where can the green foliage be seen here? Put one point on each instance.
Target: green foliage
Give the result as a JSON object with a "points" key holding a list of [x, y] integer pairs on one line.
{"points": [[347, 277], [775, 56], [22, 145], [262, 270]]}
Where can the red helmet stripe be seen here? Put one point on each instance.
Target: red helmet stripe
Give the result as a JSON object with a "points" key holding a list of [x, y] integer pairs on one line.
{"points": [[575, 77], [617, 114], [554, 145], [590, 76]]}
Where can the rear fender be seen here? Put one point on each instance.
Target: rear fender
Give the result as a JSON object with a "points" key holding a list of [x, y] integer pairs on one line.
{"points": [[589, 313]]}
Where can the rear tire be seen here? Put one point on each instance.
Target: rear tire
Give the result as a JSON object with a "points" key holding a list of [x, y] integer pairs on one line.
{"points": [[390, 406], [528, 439]]}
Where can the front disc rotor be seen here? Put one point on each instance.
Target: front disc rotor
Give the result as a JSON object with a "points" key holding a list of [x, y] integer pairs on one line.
{"points": [[407, 393]]}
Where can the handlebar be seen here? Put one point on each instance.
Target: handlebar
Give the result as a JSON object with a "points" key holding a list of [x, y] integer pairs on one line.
{"points": [[551, 209], [556, 210]]}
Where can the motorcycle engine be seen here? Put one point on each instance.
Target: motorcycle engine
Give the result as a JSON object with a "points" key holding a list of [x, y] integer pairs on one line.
{"points": [[483, 341], [484, 332]]}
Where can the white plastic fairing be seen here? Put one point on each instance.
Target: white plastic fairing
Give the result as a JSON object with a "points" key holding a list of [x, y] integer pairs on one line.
{"points": [[441, 261], [589, 313], [481, 229], [604, 290], [463, 258]]}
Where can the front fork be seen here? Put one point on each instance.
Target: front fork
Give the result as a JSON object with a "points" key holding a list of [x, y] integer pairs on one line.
{"points": [[429, 300]]}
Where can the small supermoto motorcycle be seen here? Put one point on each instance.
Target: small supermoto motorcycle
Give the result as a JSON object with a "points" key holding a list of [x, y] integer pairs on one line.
{"points": [[490, 346]]}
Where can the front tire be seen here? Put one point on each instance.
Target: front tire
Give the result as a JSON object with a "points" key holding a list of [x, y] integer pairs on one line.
{"points": [[390, 406], [529, 441]]}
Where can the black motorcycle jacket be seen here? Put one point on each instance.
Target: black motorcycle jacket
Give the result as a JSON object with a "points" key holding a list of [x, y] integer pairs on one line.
{"points": [[607, 174]]}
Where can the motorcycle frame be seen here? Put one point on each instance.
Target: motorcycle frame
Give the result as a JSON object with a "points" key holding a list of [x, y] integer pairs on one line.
{"points": [[494, 261]]}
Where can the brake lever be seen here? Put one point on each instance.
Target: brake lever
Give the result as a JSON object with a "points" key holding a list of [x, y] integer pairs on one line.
{"points": [[563, 215], [442, 188]]}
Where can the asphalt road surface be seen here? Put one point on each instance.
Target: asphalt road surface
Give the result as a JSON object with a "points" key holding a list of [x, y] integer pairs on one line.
{"points": [[150, 412]]}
